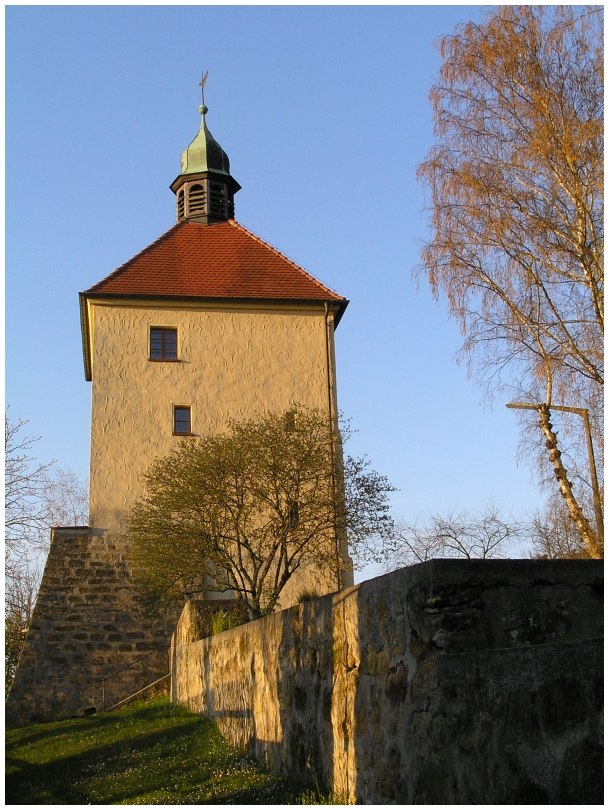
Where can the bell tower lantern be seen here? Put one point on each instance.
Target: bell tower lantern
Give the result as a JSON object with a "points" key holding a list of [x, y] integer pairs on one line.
{"points": [[205, 190]]}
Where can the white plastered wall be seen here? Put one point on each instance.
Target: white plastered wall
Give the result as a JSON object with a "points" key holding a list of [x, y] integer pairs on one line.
{"points": [[233, 363]]}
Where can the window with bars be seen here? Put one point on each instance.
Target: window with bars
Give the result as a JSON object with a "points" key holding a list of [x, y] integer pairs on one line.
{"points": [[181, 420], [163, 343]]}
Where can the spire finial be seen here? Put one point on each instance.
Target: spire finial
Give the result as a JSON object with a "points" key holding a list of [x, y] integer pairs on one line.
{"points": [[202, 83]]}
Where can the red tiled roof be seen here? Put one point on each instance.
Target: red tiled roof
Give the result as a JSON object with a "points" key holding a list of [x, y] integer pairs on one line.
{"points": [[217, 261]]}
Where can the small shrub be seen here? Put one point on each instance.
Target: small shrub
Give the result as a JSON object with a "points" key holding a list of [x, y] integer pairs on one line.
{"points": [[307, 596], [222, 620]]}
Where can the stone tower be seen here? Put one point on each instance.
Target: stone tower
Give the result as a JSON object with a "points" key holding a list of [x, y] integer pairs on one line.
{"points": [[205, 324]]}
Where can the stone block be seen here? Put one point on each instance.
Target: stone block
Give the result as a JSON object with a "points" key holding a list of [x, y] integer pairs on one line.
{"points": [[81, 633]]}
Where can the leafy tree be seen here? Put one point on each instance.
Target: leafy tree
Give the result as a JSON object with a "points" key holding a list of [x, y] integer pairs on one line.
{"points": [[516, 184], [245, 510]]}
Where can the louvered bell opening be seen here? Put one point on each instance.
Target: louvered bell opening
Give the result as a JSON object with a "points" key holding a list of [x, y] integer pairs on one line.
{"points": [[196, 199], [217, 200], [180, 205]]}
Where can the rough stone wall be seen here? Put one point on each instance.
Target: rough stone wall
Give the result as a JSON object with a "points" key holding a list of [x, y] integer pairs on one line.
{"points": [[86, 626], [450, 682]]}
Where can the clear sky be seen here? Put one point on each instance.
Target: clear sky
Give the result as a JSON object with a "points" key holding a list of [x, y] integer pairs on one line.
{"points": [[324, 113]]}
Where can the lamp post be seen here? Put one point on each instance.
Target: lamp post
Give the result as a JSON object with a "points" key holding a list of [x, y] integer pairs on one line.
{"points": [[583, 412]]}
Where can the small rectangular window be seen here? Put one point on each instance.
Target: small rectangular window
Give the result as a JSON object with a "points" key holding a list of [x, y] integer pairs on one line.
{"points": [[163, 343], [181, 420]]}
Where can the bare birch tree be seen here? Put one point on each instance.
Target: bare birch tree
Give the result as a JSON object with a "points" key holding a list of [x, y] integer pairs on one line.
{"points": [[37, 496], [516, 185], [553, 534], [21, 587], [24, 487], [457, 534]]}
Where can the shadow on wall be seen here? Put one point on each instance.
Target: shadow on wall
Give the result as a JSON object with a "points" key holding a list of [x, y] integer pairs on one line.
{"points": [[229, 704], [272, 688], [300, 680], [294, 694], [306, 695]]}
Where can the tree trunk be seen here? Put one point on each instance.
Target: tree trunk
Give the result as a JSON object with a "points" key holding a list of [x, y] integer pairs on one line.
{"points": [[591, 541]]}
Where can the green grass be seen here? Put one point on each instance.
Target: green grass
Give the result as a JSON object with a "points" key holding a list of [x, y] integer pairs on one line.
{"points": [[146, 753]]}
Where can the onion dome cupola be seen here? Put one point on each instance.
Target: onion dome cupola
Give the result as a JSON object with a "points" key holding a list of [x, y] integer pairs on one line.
{"points": [[205, 189]]}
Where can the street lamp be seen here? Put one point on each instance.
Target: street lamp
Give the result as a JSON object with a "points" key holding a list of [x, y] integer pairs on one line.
{"points": [[583, 412]]}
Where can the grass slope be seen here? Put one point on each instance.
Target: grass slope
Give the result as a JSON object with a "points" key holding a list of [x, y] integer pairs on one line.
{"points": [[147, 753]]}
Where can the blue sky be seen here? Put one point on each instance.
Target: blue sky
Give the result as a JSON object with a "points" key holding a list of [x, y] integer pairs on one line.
{"points": [[324, 113]]}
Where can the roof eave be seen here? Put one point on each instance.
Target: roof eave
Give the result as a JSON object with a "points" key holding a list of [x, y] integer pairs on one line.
{"points": [[85, 328], [339, 304], [340, 311]]}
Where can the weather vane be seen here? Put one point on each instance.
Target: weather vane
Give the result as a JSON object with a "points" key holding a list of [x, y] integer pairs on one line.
{"points": [[202, 84]]}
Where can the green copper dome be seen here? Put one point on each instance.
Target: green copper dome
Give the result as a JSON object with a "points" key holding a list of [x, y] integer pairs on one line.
{"points": [[204, 154], [205, 190]]}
